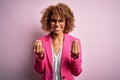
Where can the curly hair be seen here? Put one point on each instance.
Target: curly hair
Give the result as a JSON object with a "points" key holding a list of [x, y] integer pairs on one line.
{"points": [[64, 11]]}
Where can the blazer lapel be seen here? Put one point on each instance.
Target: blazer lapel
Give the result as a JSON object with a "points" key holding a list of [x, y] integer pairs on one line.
{"points": [[49, 49], [65, 50]]}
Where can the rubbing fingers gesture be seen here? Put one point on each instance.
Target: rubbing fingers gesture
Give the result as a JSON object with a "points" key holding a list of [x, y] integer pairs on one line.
{"points": [[75, 49], [38, 48]]}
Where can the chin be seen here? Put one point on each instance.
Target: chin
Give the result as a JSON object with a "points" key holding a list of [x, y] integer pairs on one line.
{"points": [[57, 32]]}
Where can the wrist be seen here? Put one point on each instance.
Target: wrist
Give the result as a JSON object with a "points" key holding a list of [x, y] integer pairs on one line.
{"points": [[75, 56], [41, 56]]}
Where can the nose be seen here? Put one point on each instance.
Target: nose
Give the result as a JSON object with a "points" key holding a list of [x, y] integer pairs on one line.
{"points": [[57, 23]]}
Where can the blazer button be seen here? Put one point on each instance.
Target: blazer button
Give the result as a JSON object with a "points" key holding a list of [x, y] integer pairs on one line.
{"points": [[63, 77]]}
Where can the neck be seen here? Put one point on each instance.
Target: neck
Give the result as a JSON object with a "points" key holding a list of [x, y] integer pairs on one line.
{"points": [[58, 36]]}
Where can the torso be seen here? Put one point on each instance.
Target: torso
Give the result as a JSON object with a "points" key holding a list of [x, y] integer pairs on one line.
{"points": [[56, 47], [57, 42]]}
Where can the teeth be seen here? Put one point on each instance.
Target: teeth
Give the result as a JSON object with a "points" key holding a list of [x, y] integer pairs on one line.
{"points": [[57, 28]]}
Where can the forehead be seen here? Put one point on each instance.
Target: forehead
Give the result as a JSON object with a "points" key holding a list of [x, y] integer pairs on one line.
{"points": [[56, 16]]}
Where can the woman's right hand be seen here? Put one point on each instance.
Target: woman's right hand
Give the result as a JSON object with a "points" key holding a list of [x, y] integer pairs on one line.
{"points": [[38, 49]]}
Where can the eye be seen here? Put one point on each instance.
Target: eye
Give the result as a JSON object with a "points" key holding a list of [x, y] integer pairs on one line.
{"points": [[53, 20], [61, 20]]}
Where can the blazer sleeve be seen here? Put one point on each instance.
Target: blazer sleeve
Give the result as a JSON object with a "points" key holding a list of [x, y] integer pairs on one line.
{"points": [[39, 64], [76, 64]]}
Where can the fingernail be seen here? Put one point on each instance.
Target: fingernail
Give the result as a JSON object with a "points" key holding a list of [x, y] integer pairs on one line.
{"points": [[34, 50]]}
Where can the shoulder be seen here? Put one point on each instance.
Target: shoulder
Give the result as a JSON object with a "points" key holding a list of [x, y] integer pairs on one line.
{"points": [[71, 37], [44, 38]]}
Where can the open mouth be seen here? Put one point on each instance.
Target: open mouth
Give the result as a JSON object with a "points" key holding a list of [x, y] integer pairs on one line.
{"points": [[57, 29]]}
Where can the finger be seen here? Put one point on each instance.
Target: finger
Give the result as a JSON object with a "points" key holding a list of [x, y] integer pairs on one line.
{"points": [[38, 47], [76, 47], [73, 44], [42, 50], [40, 42], [35, 45], [41, 47]]}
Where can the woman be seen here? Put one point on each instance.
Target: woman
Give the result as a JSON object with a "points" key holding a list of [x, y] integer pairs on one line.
{"points": [[58, 55]]}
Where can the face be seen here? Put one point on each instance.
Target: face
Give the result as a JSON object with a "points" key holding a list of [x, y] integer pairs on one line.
{"points": [[57, 24]]}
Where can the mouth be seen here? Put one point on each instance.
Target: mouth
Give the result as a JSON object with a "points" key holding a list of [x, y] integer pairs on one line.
{"points": [[57, 29]]}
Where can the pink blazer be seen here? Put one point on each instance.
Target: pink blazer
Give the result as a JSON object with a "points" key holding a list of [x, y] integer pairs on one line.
{"points": [[68, 67]]}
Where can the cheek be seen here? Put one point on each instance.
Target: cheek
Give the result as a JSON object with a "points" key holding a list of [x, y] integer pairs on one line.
{"points": [[51, 25], [63, 25]]}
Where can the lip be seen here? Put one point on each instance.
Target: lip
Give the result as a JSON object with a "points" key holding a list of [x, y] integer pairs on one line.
{"points": [[57, 29]]}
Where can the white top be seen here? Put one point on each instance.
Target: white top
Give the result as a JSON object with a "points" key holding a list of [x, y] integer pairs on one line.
{"points": [[56, 63]]}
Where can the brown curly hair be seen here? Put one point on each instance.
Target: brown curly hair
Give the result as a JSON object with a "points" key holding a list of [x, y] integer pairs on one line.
{"points": [[64, 11]]}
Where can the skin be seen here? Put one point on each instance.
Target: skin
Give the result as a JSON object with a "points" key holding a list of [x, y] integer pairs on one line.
{"points": [[57, 25]]}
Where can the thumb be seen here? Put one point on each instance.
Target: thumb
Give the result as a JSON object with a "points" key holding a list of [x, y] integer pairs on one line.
{"points": [[40, 42]]}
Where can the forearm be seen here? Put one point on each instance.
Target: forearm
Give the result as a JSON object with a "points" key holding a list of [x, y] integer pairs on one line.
{"points": [[76, 66], [39, 64], [76, 60]]}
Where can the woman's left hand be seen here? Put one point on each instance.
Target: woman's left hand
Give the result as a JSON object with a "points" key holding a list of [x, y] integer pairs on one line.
{"points": [[75, 49]]}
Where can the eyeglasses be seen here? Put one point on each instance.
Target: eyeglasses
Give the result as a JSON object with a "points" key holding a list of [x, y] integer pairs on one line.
{"points": [[53, 21]]}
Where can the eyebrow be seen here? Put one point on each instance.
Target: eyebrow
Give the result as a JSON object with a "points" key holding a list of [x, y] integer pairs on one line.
{"points": [[58, 19]]}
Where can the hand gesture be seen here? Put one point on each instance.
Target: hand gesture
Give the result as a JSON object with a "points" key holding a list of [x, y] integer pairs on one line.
{"points": [[38, 48], [75, 49]]}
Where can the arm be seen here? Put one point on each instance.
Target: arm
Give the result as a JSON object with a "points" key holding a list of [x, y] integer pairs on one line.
{"points": [[39, 64], [76, 61], [39, 57]]}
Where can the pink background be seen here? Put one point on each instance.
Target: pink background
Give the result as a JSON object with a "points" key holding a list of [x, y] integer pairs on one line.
{"points": [[97, 25]]}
